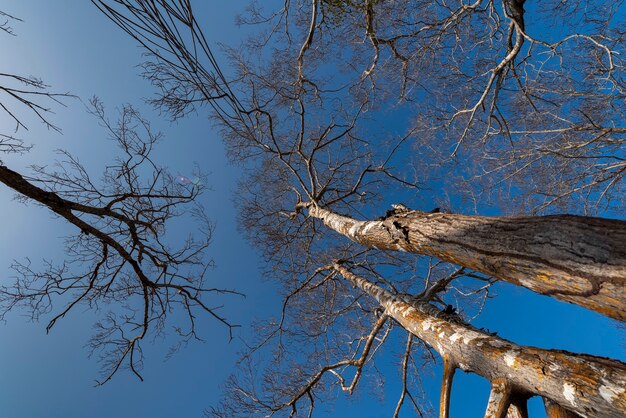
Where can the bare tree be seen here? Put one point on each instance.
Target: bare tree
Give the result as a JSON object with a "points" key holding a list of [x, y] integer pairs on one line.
{"points": [[545, 254], [331, 339], [572, 383], [120, 261], [262, 123], [313, 107], [536, 106], [120, 256], [561, 374]]}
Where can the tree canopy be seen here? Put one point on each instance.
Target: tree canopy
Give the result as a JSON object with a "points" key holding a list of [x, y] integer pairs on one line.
{"points": [[337, 107], [375, 137]]}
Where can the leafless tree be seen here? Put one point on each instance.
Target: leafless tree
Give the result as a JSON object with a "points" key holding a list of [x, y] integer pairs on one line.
{"points": [[331, 339], [120, 260], [530, 102], [545, 254], [516, 372], [312, 111]]}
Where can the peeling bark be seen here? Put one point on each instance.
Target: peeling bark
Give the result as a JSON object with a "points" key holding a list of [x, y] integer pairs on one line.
{"points": [[576, 259], [499, 399], [591, 386]]}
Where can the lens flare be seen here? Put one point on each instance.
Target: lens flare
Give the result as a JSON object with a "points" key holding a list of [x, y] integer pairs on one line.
{"points": [[186, 180], [183, 180]]}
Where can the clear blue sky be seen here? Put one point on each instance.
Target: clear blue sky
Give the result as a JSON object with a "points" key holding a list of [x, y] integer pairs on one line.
{"points": [[75, 49]]}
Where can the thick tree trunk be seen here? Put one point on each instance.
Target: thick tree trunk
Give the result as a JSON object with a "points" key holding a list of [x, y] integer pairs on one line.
{"points": [[576, 259], [591, 386]]}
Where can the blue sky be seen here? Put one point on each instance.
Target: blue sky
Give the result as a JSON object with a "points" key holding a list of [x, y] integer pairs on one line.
{"points": [[75, 49]]}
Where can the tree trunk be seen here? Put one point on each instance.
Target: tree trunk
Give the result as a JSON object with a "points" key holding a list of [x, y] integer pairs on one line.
{"points": [[577, 259], [518, 407], [499, 399], [449, 369], [591, 386], [557, 411]]}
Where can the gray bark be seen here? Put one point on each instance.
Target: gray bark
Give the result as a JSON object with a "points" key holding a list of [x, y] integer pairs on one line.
{"points": [[577, 259], [591, 386]]}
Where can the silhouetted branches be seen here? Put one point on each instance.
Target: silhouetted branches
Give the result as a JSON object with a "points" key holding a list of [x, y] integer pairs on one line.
{"points": [[343, 105], [121, 257], [18, 92]]}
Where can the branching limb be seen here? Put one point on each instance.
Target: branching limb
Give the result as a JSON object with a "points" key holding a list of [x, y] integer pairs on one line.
{"points": [[499, 399], [449, 368], [405, 374], [121, 245]]}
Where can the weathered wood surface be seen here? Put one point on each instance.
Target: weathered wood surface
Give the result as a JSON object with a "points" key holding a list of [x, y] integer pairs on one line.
{"points": [[588, 385], [577, 259]]}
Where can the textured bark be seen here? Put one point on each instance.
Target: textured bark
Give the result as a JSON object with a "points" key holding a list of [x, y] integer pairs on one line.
{"points": [[554, 410], [577, 259], [17, 182], [589, 385], [518, 407], [499, 399]]}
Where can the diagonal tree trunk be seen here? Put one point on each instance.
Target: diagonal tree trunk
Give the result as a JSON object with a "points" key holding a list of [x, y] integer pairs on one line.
{"points": [[588, 385], [577, 259]]}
